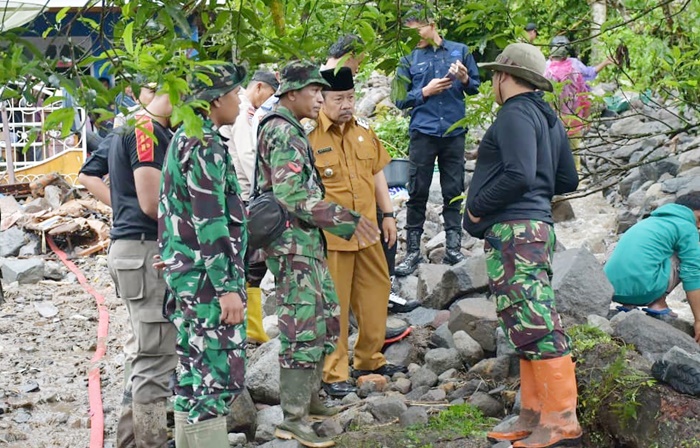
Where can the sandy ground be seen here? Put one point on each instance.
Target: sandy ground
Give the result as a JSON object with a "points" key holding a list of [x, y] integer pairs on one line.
{"points": [[44, 361]]}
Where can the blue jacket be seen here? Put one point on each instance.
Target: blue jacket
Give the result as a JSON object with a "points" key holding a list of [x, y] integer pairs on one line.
{"points": [[436, 114], [640, 266]]}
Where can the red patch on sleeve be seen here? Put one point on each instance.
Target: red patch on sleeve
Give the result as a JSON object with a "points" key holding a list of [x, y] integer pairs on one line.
{"points": [[145, 146], [294, 167]]}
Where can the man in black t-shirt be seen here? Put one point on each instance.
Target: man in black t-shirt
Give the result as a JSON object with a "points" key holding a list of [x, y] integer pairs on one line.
{"points": [[134, 171]]}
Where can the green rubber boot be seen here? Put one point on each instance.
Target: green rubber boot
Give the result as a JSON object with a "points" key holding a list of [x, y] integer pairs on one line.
{"points": [[317, 409], [180, 436], [296, 386], [207, 434]]}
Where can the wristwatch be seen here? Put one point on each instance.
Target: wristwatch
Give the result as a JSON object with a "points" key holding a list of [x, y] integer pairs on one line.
{"points": [[387, 215]]}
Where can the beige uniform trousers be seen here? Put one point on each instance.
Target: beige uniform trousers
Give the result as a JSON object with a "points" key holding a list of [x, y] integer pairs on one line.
{"points": [[142, 288], [362, 282]]}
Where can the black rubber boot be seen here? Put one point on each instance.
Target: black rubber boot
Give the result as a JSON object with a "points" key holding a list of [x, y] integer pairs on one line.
{"points": [[413, 256], [453, 247]]}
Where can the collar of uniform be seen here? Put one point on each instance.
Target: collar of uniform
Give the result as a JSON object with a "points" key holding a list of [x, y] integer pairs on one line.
{"points": [[287, 113], [324, 122]]}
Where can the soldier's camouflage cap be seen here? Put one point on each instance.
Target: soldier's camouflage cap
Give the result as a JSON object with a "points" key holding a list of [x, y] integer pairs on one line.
{"points": [[297, 75], [223, 78]]}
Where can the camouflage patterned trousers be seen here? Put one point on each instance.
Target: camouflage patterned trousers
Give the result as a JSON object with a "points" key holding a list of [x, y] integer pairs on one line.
{"points": [[519, 266], [307, 309], [211, 367]]}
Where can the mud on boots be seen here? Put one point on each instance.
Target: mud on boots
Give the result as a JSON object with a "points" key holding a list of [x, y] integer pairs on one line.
{"points": [[295, 398]]}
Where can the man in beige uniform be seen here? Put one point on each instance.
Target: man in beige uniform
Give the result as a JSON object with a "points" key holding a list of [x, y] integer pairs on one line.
{"points": [[350, 158]]}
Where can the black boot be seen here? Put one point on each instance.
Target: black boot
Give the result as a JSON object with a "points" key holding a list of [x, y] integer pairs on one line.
{"points": [[453, 247], [413, 256]]}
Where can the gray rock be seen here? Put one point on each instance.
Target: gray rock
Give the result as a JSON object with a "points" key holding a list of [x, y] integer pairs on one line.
{"points": [[477, 317], [488, 405], [329, 428], [46, 309], [630, 183], [470, 351], [420, 317], [237, 438], [447, 375], [435, 242], [503, 345], [434, 395], [600, 323], [466, 277], [262, 376], [243, 416], [36, 205], [362, 419], [23, 271], [414, 416], [350, 399], [652, 337], [442, 317], [11, 241], [401, 353], [429, 276], [54, 271], [417, 392], [53, 196], [580, 286], [495, 370], [271, 326], [424, 377], [563, 211], [440, 360], [634, 126], [679, 356], [279, 443], [468, 389], [442, 337], [407, 287], [435, 195], [689, 159], [268, 419], [32, 248], [386, 409], [401, 385]]}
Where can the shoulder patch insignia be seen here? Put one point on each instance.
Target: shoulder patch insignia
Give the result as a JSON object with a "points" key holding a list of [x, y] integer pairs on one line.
{"points": [[145, 147], [294, 167], [310, 126], [362, 122]]}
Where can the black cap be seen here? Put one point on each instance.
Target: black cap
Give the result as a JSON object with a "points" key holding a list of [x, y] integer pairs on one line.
{"points": [[268, 78], [339, 81], [531, 27]]}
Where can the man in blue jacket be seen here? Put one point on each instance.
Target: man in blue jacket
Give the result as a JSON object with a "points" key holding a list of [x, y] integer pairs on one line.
{"points": [[655, 255], [436, 75], [524, 160]]}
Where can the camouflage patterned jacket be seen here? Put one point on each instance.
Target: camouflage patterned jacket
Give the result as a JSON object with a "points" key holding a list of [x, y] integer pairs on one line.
{"points": [[201, 217], [285, 165]]}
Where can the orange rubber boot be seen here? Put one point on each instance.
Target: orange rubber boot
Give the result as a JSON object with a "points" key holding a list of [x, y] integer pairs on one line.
{"points": [[556, 385], [529, 409]]}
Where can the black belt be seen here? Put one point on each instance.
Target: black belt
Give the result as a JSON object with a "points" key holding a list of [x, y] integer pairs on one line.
{"points": [[138, 237]]}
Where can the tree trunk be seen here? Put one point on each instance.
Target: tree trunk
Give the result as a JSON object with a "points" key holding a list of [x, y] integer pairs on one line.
{"points": [[599, 13]]}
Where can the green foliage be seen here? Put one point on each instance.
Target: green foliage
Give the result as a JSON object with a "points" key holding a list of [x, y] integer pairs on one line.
{"points": [[463, 420], [392, 130], [617, 386]]}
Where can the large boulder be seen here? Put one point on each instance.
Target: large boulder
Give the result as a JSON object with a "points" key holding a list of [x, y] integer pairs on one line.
{"points": [[651, 337], [580, 286], [263, 373], [25, 271], [243, 415], [458, 280], [11, 241], [429, 277], [476, 317]]}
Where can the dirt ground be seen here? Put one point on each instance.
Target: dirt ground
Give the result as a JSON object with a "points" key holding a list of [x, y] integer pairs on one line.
{"points": [[44, 361]]}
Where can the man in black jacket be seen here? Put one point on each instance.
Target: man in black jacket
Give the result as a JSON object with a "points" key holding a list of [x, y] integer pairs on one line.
{"points": [[525, 159]]}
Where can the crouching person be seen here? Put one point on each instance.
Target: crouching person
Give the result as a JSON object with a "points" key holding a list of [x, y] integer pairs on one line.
{"points": [[203, 240]]}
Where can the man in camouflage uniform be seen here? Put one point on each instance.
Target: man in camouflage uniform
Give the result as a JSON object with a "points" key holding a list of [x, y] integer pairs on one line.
{"points": [[524, 160], [307, 305], [203, 238]]}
